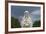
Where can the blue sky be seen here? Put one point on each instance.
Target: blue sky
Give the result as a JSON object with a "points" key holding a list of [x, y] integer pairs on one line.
{"points": [[17, 11]]}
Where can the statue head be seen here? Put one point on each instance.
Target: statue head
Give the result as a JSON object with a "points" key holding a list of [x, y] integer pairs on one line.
{"points": [[26, 13]]}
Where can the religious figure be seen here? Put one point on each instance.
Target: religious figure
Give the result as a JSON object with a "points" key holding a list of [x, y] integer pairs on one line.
{"points": [[26, 20]]}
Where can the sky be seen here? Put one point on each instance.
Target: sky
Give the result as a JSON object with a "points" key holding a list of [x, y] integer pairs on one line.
{"points": [[18, 11]]}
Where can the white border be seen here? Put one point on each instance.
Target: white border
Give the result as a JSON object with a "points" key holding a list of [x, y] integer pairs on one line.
{"points": [[23, 29]]}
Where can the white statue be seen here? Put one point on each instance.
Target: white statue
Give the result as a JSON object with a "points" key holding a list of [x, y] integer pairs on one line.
{"points": [[26, 20]]}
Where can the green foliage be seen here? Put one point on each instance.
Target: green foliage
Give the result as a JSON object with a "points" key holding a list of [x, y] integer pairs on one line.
{"points": [[15, 23], [36, 24]]}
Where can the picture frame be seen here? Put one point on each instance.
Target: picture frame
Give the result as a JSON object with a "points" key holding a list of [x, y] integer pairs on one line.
{"points": [[33, 5]]}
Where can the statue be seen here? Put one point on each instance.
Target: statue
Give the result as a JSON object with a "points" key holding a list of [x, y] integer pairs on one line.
{"points": [[26, 20]]}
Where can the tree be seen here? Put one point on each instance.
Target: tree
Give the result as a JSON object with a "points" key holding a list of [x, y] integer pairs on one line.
{"points": [[36, 23], [15, 23]]}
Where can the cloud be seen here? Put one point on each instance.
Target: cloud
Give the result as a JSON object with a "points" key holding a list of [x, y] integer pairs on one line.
{"points": [[35, 15]]}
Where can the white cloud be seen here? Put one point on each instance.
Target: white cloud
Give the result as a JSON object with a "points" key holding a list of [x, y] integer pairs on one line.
{"points": [[35, 15]]}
